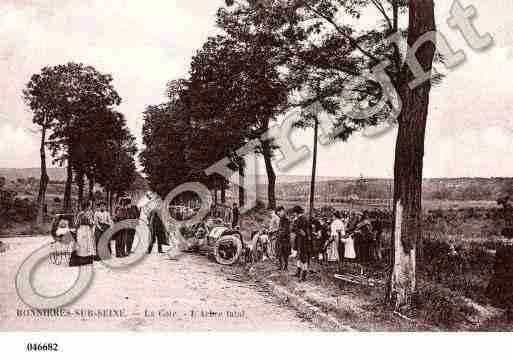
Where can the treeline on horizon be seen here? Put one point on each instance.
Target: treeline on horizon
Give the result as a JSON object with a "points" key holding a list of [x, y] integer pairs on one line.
{"points": [[454, 189], [457, 189]]}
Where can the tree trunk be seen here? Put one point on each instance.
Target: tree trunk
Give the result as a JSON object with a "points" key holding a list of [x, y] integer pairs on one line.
{"points": [[43, 182], [223, 193], [314, 168], [241, 186], [271, 176], [67, 190], [408, 164], [80, 184], [91, 188]]}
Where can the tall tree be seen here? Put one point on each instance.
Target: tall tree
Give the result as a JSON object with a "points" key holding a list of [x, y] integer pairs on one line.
{"points": [[163, 157], [95, 131], [115, 166], [409, 156], [63, 96], [39, 97], [242, 74], [310, 60], [335, 40]]}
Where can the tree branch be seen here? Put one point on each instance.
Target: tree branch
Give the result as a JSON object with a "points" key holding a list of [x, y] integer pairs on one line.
{"points": [[351, 40], [381, 9]]}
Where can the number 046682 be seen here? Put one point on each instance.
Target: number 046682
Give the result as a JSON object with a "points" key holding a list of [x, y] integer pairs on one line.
{"points": [[42, 347]]}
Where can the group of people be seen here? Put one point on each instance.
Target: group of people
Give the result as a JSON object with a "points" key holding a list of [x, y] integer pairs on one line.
{"points": [[91, 223], [354, 238], [345, 237]]}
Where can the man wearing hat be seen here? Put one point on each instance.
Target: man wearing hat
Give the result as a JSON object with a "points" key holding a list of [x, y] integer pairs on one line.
{"points": [[283, 239], [303, 242]]}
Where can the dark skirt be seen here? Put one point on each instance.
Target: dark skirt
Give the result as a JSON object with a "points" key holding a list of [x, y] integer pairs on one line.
{"points": [[77, 261], [98, 233]]}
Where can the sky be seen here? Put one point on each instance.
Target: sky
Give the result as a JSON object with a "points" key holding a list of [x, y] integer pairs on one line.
{"points": [[144, 44]]}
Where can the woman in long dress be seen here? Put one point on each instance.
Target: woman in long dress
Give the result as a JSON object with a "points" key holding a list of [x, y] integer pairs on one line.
{"points": [[85, 248], [337, 231], [103, 222]]}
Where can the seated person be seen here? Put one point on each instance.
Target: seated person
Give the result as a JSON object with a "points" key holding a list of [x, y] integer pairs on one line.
{"points": [[62, 229]]}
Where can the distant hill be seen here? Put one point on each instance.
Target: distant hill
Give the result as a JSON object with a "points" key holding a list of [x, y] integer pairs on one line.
{"points": [[460, 189], [12, 174], [297, 186], [59, 174], [282, 179], [55, 174]]}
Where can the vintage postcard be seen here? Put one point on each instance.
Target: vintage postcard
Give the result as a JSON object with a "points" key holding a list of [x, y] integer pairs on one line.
{"points": [[255, 165]]}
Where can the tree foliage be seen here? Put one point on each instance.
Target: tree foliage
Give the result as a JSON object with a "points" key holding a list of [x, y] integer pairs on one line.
{"points": [[231, 95], [75, 104]]}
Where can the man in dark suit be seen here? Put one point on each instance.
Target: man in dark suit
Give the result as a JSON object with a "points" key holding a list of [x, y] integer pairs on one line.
{"points": [[157, 231], [120, 214], [283, 241], [235, 215], [303, 242], [133, 212]]}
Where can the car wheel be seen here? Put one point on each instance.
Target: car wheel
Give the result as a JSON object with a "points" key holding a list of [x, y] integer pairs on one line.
{"points": [[228, 249]]}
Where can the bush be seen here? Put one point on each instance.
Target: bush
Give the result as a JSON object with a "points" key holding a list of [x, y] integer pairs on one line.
{"points": [[23, 210], [443, 307], [16, 210]]}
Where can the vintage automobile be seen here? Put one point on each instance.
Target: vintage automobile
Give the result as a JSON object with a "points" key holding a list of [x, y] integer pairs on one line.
{"points": [[181, 212], [225, 244]]}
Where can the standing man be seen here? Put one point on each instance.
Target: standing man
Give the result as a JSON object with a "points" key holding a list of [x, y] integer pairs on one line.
{"points": [[283, 240], [235, 215], [303, 242], [120, 214], [377, 227], [365, 228], [157, 231], [362, 237], [274, 225], [133, 213]]}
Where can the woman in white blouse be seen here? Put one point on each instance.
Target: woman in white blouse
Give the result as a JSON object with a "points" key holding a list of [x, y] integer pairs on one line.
{"points": [[338, 230]]}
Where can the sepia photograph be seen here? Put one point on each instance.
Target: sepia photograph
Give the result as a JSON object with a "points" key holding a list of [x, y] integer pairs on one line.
{"points": [[270, 166]]}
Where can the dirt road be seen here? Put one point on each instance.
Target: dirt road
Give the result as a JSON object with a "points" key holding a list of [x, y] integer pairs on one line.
{"points": [[156, 294]]}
